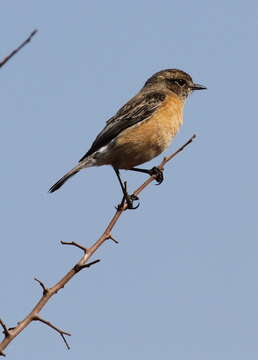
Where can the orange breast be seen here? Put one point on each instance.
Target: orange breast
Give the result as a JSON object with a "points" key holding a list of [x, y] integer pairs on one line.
{"points": [[147, 139]]}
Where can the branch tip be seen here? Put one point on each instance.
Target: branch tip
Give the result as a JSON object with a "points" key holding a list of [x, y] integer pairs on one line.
{"points": [[34, 32], [167, 159], [15, 51]]}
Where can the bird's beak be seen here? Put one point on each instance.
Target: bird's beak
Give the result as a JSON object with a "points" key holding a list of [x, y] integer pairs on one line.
{"points": [[198, 87]]}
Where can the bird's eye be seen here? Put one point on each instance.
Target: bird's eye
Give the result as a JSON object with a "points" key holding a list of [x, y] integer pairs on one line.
{"points": [[180, 82]]}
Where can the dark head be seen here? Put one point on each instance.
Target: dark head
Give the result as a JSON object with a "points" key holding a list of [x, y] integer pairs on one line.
{"points": [[175, 80]]}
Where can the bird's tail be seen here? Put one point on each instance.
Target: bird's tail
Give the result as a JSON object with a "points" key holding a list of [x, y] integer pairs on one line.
{"points": [[70, 173]]}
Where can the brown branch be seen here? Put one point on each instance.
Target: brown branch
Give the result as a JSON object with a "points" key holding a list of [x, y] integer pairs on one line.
{"points": [[15, 51], [61, 332], [81, 264]]}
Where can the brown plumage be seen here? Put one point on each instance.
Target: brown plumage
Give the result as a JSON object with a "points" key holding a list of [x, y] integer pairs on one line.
{"points": [[143, 128]]}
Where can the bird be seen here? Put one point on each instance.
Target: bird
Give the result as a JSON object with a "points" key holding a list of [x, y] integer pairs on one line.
{"points": [[141, 129]]}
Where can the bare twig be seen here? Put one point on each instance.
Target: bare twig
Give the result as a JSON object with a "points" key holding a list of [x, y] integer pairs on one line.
{"points": [[163, 163], [167, 159], [61, 332], [82, 263], [14, 52], [83, 248]]}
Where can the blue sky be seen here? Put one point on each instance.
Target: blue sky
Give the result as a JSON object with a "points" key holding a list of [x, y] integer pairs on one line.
{"points": [[182, 283]]}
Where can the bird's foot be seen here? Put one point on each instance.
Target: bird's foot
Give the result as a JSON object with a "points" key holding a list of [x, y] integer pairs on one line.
{"points": [[158, 174], [129, 200]]}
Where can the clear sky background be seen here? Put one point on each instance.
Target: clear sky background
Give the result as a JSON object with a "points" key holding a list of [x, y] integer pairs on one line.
{"points": [[182, 283]]}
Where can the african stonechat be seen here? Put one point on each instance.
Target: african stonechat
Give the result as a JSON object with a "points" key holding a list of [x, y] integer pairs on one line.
{"points": [[142, 129]]}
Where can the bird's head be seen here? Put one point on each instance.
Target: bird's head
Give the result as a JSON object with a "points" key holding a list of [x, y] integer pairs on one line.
{"points": [[177, 81]]}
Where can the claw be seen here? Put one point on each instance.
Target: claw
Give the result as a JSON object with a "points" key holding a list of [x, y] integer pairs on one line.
{"points": [[134, 197], [129, 200], [159, 177]]}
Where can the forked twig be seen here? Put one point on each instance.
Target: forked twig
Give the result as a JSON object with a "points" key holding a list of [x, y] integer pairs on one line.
{"points": [[60, 331]]}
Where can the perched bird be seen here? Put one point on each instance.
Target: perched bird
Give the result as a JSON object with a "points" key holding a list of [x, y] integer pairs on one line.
{"points": [[142, 129]]}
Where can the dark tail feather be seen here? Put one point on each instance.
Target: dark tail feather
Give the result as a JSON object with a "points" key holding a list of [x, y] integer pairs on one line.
{"points": [[60, 182], [82, 165]]}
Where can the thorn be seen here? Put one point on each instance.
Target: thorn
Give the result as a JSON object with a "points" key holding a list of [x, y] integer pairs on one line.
{"points": [[2, 353], [89, 264], [45, 290], [110, 237], [6, 332]]}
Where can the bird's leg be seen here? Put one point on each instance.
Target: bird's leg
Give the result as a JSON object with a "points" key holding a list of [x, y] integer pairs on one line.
{"points": [[128, 198], [155, 171]]}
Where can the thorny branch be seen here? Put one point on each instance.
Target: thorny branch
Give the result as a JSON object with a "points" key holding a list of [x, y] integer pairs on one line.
{"points": [[11, 333], [15, 51]]}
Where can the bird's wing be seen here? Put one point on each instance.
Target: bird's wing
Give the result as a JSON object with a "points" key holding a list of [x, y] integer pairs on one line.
{"points": [[139, 108]]}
